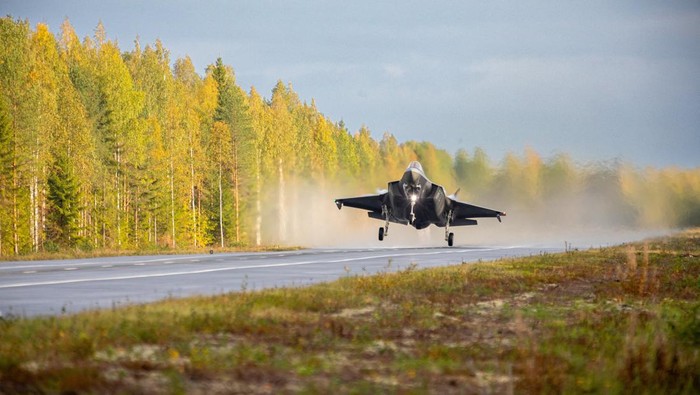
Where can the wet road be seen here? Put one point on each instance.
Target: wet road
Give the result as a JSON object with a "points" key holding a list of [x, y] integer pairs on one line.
{"points": [[33, 288]]}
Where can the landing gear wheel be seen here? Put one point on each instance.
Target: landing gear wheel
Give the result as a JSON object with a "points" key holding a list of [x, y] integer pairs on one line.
{"points": [[381, 234], [451, 239]]}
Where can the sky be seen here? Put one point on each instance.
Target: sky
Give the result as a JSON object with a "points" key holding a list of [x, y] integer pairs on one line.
{"points": [[599, 80]]}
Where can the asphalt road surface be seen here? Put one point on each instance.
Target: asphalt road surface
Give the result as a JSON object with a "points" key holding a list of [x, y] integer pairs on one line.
{"points": [[57, 287]]}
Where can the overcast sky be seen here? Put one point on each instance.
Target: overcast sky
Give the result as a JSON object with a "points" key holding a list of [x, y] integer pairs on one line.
{"points": [[600, 80]]}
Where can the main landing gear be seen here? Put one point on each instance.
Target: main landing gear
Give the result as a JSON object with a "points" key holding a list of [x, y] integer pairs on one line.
{"points": [[449, 236], [384, 230]]}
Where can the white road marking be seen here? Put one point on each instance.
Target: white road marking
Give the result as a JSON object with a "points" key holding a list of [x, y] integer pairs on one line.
{"points": [[106, 266], [139, 264], [29, 272], [224, 269], [71, 268], [44, 266], [3, 267]]}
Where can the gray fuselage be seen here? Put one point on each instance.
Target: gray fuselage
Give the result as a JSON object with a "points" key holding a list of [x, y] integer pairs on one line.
{"points": [[414, 200]]}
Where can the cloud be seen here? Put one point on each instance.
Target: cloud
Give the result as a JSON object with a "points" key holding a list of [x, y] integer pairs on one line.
{"points": [[393, 70]]}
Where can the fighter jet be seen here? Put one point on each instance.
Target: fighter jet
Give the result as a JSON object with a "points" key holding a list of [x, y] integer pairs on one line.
{"points": [[414, 200]]}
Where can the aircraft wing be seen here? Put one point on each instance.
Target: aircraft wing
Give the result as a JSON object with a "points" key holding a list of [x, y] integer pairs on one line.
{"points": [[367, 202], [463, 210]]}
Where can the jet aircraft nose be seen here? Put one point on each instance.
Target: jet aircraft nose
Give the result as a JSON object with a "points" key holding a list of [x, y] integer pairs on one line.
{"points": [[415, 178]]}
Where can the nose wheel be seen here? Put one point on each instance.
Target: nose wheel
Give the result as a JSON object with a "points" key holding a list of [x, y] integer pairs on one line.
{"points": [[449, 236], [381, 233]]}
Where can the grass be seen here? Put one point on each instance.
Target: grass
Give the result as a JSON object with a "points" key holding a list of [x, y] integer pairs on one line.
{"points": [[614, 320]]}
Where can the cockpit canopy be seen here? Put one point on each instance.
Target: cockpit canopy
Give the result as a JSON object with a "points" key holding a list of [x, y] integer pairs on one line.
{"points": [[411, 181], [415, 165]]}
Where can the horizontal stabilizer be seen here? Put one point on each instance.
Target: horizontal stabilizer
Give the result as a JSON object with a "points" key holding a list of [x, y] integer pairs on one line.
{"points": [[463, 222], [367, 202], [380, 216]]}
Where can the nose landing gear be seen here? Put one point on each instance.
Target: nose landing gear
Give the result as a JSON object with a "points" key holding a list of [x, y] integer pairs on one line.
{"points": [[449, 236]]}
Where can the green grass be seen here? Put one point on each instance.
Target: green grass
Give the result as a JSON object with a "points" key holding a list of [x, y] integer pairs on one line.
{"points": [[614, 320]]}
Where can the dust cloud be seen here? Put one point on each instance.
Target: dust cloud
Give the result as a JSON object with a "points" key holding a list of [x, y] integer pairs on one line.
{"points": [[579, 220]]}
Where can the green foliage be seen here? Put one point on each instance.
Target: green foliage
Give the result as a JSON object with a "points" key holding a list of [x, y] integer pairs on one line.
{"points": [[64, 203], [6, 156]]}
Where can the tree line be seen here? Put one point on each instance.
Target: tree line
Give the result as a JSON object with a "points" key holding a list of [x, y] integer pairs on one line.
{"points": [[108, 149]]}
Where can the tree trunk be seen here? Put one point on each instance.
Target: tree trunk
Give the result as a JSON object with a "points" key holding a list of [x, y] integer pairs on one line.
{"points": [[172, 199], [199, 206], [34, 190], [104, 206], [31, 213], [94, 221], [258, 204], [15, 234], [42, 223], [119, 199], [281, 203], [221, 203], [136, 219], [235, 193], [126, 206], [193, 197]]}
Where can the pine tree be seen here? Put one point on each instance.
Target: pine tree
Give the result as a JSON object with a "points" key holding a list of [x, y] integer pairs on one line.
{"points": [[64, 203], [225, 96], [232, 111], [222, 150]]}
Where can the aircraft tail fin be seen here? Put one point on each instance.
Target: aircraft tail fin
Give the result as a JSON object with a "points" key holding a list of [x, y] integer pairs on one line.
{"points": [[454, 195]]}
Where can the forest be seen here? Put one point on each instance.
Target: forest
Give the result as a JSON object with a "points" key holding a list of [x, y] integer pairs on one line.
{"points": [[105, 149]]}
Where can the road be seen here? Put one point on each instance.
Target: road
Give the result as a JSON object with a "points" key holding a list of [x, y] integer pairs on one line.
{"points": [[57, 287]]}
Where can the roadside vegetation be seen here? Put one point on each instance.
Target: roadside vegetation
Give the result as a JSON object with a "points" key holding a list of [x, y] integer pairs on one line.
{"points": [[622, 319], [76, 253]]}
